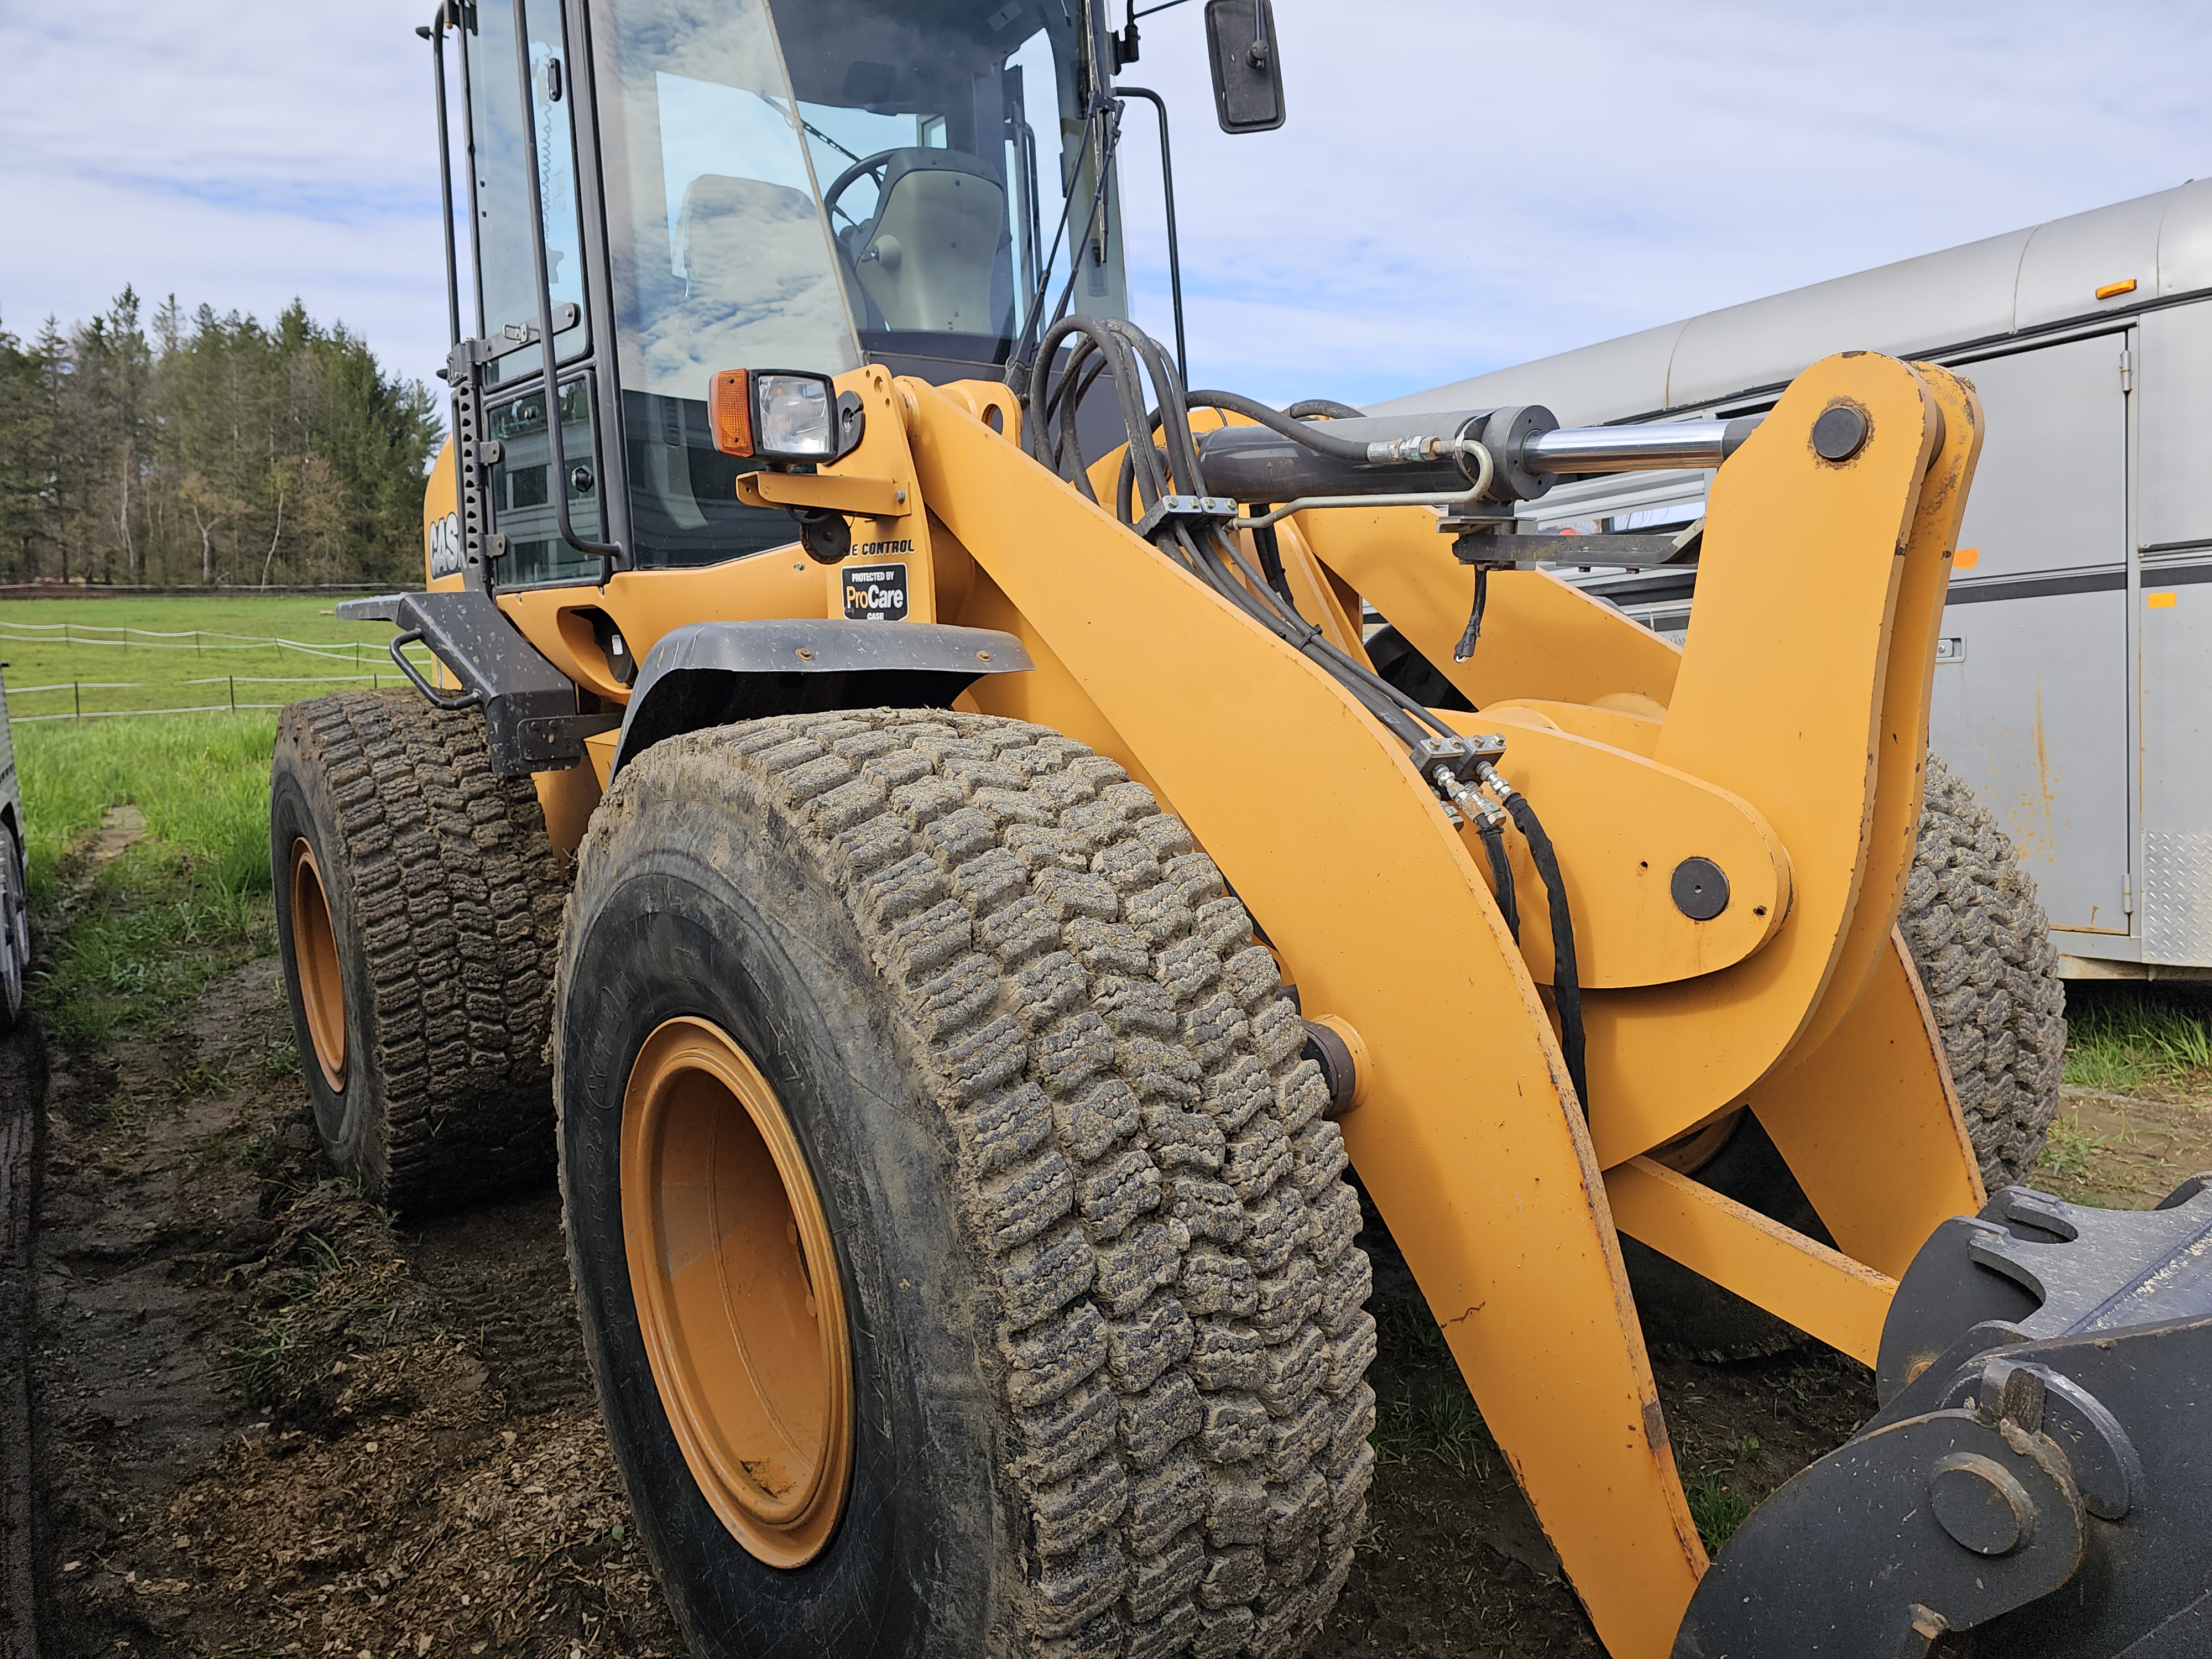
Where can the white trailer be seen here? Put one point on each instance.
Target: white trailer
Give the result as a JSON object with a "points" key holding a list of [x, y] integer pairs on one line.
{"points": [[2073, 688]]}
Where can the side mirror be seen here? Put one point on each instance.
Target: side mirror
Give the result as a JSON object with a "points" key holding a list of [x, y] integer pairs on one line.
{"points": [[1247, 70]]}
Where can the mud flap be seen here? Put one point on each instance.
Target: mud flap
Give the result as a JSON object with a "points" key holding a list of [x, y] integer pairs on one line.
{"points": [[2040, 1471]]}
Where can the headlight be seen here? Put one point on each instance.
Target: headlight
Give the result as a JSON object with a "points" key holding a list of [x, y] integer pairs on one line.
{"points": [[774, 415]]}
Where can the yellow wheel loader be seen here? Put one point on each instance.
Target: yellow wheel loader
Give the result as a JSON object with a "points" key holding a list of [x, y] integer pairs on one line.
{"points": [[911, 770]]}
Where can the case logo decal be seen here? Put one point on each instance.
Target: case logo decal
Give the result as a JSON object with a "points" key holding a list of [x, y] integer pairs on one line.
{"points": [[443, 541], [875, 592]]}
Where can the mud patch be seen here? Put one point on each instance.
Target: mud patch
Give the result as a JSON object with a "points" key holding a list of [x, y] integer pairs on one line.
{"points": [[121, 828], [270, 1422], [2125, 1152]]}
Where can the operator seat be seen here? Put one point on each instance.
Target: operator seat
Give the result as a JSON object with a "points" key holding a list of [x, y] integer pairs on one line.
{"points": [[927, 258], [754, 259]]}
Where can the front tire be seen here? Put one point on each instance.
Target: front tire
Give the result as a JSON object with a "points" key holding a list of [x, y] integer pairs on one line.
{"points": [[1104, 1319]]}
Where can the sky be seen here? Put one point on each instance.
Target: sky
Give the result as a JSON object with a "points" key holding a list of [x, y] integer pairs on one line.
{"points": [[1460, 185]]}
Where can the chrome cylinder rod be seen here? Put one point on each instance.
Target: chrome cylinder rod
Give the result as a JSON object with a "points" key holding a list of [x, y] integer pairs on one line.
{"points": [[1571, 450]]}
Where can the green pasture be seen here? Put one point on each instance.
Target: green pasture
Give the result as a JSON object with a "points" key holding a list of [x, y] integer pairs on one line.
{"points": [[181, 891], [70, 657]]}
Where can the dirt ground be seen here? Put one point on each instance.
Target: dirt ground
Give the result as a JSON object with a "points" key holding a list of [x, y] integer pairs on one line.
{"points": [[273, 1423]]}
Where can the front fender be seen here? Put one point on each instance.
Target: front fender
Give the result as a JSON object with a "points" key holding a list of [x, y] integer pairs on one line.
{"points": [[714, 673]]}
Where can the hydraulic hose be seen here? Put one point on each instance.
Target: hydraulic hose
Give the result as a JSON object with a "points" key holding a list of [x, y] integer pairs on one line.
{"points": [[1168, 464], [1566, 983], [1465, 648], [1493, 832], [1314, 435], [1271, 562]]}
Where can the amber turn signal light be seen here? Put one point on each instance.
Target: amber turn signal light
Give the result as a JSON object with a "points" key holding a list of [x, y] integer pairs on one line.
{"points": [[729, 408]]}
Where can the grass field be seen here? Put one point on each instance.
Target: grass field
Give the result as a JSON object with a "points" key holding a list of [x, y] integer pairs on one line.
{"points": [[177, 889], [66, 657]]}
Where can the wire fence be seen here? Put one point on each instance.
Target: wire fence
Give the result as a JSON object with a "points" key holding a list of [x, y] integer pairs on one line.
{"points": [[232, 703], [366, 656], [199, 639]]}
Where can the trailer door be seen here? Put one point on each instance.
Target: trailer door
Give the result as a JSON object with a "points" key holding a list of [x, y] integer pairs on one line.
{"points": [[2031, 700]]}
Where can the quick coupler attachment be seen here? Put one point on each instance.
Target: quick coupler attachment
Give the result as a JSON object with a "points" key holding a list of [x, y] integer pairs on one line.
{"points": [[2040, 1475]]}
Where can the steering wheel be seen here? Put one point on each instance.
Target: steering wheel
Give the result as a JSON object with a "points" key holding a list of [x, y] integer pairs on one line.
{"points": [[851, 175]]}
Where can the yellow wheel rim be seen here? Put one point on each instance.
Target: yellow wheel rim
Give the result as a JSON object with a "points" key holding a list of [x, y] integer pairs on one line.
{"points": [[738, 1292], [315, 953]]}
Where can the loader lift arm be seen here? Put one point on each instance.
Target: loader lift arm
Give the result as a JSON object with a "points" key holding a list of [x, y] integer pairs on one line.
{"points": [[1473, 1146]]}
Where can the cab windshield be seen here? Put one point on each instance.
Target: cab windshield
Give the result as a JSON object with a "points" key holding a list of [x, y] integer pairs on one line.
{"points": [[799, 184], [946, 135]]}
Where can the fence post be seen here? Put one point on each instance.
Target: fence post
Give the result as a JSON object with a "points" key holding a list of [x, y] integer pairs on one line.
{"points": [[233, 694], [77, 695]]}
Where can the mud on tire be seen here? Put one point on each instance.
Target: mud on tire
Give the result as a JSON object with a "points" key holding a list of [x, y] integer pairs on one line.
{"points": [[444, 907], [1108, 1326], [1986, 961]]}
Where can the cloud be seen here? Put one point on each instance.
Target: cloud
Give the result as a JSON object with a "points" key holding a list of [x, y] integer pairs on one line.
{"points": [[1459, 186], [235, 156], [1463, 188]]}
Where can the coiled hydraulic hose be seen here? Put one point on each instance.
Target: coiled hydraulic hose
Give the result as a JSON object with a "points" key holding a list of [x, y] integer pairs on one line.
{"points": [[1567, 982], [1162, 459]]}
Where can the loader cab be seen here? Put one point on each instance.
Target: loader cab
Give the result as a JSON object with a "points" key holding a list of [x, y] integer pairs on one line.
{"points": [[808, 185]]}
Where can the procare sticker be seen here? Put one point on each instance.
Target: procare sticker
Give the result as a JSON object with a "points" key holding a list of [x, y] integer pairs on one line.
{"points": [[875, 592]]}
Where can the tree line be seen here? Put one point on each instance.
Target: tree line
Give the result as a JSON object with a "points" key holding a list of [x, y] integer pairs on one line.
{"points": [[203, 449]]}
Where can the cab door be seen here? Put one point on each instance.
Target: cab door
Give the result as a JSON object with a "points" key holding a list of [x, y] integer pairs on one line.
{"points": [[516, 482]]}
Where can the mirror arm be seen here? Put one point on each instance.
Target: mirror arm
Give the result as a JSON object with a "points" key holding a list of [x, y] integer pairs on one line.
{"points": [[1167, 183]]}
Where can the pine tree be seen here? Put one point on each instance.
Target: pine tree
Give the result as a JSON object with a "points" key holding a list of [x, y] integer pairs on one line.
{"points": [[217, 451]]}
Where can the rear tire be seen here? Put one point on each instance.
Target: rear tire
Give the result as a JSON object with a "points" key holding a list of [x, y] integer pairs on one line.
{"points": [[1106, 1323], [15, 927], [418, 910], [1984, 951]]}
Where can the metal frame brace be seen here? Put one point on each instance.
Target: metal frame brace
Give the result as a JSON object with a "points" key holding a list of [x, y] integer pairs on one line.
{"points": [[531, 717]]}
